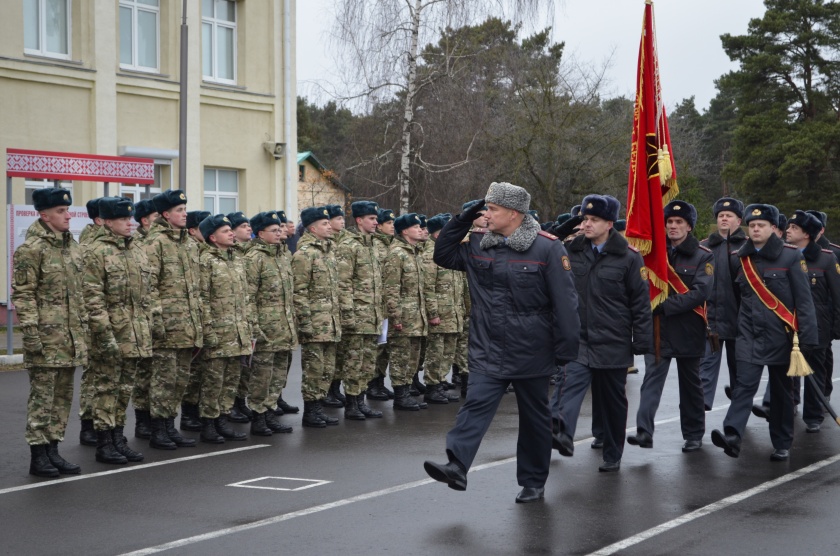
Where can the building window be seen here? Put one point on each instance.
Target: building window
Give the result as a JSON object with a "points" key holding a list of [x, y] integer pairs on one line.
{"points": [[139, 34], [31, 185], [218, 40], [301, 172], [46, 28], [221, 191]]}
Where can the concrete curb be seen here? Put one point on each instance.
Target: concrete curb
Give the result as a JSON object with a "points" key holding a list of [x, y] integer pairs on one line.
{"points": [[11, 359]]}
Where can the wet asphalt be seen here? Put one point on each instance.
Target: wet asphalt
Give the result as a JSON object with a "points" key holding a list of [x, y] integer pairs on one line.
{"points": [[359, 488]]}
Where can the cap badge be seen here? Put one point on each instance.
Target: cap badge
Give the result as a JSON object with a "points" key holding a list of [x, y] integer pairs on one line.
{"points": [[677, 207], [756, 212], [225, 219], [589, 206], [66, 198], [326, 213], [274, 215], [182, 197], [726, 204]]}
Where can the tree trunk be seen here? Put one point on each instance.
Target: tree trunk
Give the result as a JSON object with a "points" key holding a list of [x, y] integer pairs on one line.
{"points": [[408, 114]]}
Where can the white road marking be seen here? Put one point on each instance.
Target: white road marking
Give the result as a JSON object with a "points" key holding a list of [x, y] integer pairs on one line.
{"points": [[713, 507], [129, 469], [247, 484]]}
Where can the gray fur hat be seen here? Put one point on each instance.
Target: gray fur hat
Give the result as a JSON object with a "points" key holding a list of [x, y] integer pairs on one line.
{"points": [[509, 196]]}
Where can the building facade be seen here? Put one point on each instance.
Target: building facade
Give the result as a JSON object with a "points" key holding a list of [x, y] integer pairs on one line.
{"points": [[317, 185]]}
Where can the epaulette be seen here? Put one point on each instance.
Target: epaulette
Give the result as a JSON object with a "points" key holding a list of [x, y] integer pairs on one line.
{"points": [[834, 245], [548, 235], [829, 251], [789, 246], [704, 248], [634, 249], [733, 252]]}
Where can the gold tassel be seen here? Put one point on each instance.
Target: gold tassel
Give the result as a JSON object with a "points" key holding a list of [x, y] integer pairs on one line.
{"points": [[663, 161], [798, 365]]}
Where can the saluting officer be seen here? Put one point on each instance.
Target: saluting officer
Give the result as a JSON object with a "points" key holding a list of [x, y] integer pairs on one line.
{"points": [[768, 273], [117, 289], [51, 309], [683, 331]]}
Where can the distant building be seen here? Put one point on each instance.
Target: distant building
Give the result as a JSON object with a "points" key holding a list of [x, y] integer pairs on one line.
{"points": [[318, 185]]}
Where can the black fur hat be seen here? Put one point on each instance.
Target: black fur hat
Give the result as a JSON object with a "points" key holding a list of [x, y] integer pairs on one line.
{"points": [[237, 219], [169, 199], [820, 215], [760, 211], [683, 210], [728, 203], [144, 208], [385, 215], [437, 222], [364, 208], [265, 219], [281, 214], [115, 207], [406, 221], [620, 225], [809, 223], [93, 208], [602, 206], [210, 224], [195, 217], [309, 216], [49, 197], [335, 211]]}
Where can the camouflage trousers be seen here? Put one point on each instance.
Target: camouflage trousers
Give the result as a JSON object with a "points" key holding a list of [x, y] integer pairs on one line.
{"points": [[462, 348], [421, 364], [112, 382], [86, 393], [193, 391], [440, 353], [383, 356], [142, 380], [243, 388], [219, 381], [170, 375], [356, 362], [48, 407], [268, 376], [405, 355], [317, 359]]}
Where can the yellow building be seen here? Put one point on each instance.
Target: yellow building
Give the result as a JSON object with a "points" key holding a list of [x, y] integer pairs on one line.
{"points": [[317, 185], [102, 77]]}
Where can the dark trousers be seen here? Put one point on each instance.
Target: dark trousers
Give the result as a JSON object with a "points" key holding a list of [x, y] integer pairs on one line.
{"points": [[781, 410], [597, 419], [692, 413], [812, 409], [710, 369], [533, 448], [829, 371]]}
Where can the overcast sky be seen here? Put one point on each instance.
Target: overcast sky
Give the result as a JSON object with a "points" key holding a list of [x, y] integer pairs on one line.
{"points": [[688, 34]]}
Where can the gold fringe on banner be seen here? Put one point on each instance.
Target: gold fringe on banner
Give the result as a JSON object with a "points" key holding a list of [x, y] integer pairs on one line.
{"points": [[798, 365], [643, 245]]}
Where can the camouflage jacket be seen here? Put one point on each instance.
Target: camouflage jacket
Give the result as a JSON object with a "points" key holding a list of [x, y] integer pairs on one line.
{"points": [[443, 290], [403, 288], [48, 297], [176, 303], [268, 269], [360, 285], [316, 290], [89, 233], [140, 236], [381, 244], [224, 298], [117, 288]]}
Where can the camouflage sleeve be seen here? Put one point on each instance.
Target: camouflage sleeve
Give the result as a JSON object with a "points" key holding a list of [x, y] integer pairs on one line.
{"points": [[93, 283], [153, 255], [391, 284], [206, 287], [430, 274], [27, 261], [345, 257], [253, 279], [302, 275]]}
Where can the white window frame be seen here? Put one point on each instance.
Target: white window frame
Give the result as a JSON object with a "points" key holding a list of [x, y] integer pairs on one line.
{"points": [[135, 7], [215, 194], [42, 33], [215, 24], [32, 185]]}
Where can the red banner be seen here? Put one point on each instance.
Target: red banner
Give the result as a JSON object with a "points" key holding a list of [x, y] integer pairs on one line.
{"points": [[653, 179]]}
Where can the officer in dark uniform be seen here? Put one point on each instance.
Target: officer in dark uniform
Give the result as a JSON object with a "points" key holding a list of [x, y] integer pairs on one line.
{"points": [[722, 307], [825, 243], [614, 309], [683, 331], [763, 337]]}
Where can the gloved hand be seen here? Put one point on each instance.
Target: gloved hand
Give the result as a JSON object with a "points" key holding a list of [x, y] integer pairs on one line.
{"points": [[659, 310], [158, 330], [566, 229], [472, 211], [211, 341]]}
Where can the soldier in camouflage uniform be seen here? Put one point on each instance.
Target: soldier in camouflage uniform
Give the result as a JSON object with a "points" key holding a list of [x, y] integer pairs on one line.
{"points": [[405, 308], [382, 243], [117, 290], [317, 312], [227, 331], [444, 293], [47, 293], [144, 214], [242, 233], [337, 222], [360, 299], [87, 436], [176, 306], [272, 317], [279, 382], [190, 420]]}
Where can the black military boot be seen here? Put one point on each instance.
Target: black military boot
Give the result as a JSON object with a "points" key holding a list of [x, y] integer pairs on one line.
{"points": [[319, 409], [272, 421], [434, 394], [334, 396], [281, 404], [366, 410], [403, 400], [64, 467], [417, 388], [450, 396], [236, 415], [376, 392], [351, 409], [456, 376], [142, 424], [208, 432], [159, 438], [189, 418], [258, 426], [39, 462], [105, 451], [175, 436], [390, 393], [119, 440], [227, 432], [87, 436], [310, 417]]}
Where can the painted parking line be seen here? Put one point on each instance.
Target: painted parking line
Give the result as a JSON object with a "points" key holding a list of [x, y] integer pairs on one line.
{"points": [[250, 483], [130, 469], [713, 507]]}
